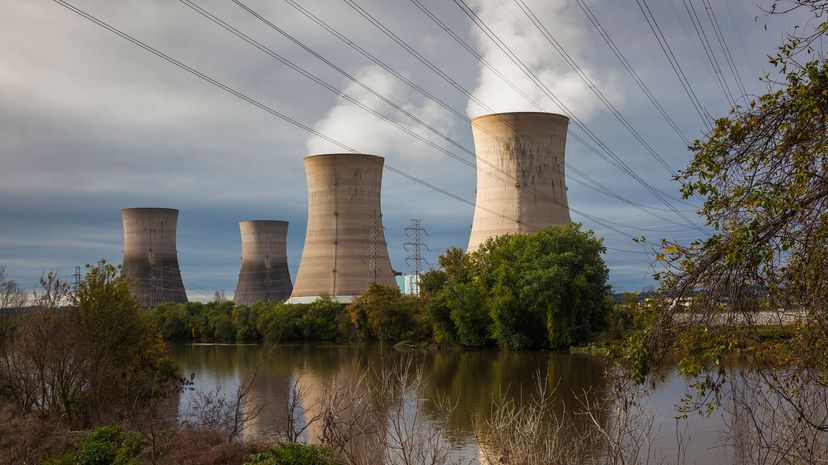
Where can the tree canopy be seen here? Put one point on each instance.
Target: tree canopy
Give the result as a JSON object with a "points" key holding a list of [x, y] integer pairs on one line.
{"points": [[542, 290]]}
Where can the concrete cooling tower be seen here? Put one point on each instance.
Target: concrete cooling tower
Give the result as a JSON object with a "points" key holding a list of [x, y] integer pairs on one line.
{"points": [[345, 248], [264, 274], [150, 257], [520, 174]]}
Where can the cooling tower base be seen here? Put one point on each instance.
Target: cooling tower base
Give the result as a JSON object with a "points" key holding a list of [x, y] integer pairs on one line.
{"points": [[342, 299]]}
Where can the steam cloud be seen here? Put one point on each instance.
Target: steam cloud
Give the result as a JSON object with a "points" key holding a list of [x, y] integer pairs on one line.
{"points": [[515, 29], [367, 133]]}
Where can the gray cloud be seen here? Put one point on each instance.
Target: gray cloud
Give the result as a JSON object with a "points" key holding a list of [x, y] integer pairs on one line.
{"points": [[90, 124]]}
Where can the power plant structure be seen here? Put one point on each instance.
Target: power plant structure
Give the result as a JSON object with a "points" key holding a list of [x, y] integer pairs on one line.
{"points": [[150, 257], [520, 174], [345, 250], [264, 274]]}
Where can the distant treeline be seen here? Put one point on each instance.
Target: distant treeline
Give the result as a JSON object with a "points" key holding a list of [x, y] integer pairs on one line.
{"points": [[529, 291], [265, 321]]}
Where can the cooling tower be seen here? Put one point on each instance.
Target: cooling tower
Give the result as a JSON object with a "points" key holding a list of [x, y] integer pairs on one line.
{"points": [[345, 247], [264, 274], [150, 258], [520, 174]]}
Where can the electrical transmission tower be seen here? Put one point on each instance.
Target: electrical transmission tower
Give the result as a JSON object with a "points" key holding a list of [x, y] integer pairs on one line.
{"points": [[77, 277], [372, 258], [415, 247]]}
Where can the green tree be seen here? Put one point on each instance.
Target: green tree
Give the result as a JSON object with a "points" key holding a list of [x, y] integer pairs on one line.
{"points": [[457, 301], [105, 355], [762, 173], [320, 319], [383, 313], [432, 283], [279, 322], [547, 289]]}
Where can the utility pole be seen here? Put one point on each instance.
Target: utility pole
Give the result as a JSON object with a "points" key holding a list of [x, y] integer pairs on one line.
{"points": [[415, 246]]}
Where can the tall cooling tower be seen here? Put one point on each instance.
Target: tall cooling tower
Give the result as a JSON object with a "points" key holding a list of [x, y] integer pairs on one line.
{"points": [[264, 274], [345, 248], [150, 257], [520, 174]]}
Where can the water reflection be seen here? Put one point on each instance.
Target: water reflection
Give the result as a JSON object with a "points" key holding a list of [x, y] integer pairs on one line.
{"points": [[472, 379]]}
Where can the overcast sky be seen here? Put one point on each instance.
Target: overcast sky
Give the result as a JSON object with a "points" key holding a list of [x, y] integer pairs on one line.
{"points": [[91, 123]]}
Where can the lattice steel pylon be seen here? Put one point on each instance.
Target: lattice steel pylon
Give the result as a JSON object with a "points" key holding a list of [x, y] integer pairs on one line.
{"points": [[372, 257], [77, 279], [415, 246]]}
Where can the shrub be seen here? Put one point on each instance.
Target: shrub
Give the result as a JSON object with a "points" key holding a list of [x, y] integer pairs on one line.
{"points": [[280, 322], [105, 355], [293, 453], [109, 446], [320, 319], [545, 289], [382, 313]]}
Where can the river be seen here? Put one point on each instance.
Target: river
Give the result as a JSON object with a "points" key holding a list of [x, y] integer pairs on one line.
{"points": [[469, 380]]}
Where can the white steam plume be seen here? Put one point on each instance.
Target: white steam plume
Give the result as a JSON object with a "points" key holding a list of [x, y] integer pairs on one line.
{"points": [[367, 133], [513, 27]]}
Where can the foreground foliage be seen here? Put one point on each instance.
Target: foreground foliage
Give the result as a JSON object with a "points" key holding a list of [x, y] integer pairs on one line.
{"points": [[762, 173], [522, 291], [101, 358], [108, 445], [293, 453]]}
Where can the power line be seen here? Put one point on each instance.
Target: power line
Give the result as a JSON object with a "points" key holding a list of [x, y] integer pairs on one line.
{"points": [[612, 157], [329, 86], [591, 85], [598, 186], [324, 25], [708, 50], [725, 49], [630, 69], [741, 40], [674, 64], [276, 113]]}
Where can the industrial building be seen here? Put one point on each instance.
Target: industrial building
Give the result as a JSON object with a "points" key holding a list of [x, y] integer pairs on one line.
{"points": [[520, 174], [150, 257], [345, 249], [264, 274]]}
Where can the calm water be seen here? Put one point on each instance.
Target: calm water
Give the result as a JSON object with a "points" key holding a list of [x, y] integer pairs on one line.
{"points": [[471, 378]]}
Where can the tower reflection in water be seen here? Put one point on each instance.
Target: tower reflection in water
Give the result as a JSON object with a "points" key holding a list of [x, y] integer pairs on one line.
{"points": [[470, 380]]}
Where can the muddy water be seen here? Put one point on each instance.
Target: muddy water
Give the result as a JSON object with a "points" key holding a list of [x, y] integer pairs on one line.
{"points": [[472, 379]]}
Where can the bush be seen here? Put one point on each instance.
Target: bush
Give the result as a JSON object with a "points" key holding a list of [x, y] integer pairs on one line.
{"points": [[321, 319], [279, 322], [541, 290], [108, 445], [293, 453], [106, 357], [384, 314]]}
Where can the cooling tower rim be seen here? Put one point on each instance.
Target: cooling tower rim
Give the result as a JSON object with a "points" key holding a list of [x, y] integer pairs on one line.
{"points": [[149, 210], [521, 113], [344, 154], [273, 222]]}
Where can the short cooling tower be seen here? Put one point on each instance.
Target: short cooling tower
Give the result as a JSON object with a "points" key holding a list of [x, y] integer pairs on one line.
{"points": [[150, 257], [520, 174], [345, 248], [264, 274]]}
